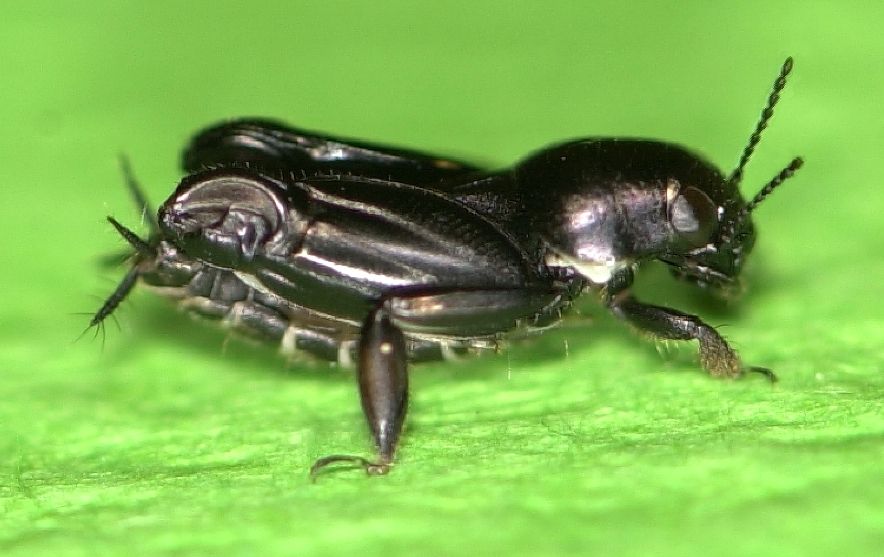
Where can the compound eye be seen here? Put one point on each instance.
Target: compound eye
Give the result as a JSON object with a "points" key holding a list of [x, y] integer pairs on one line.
{"points": [[693, 215]]}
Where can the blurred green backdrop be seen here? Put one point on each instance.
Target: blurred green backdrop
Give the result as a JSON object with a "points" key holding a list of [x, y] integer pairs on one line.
{"points": [[581, 442]]}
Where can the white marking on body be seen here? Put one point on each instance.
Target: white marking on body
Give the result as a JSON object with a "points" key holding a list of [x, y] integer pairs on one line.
{"points": [[448, 353], [344, 358], [598, 271], [196, 303], [537, 329], [289, 343], [356, 273], [253, 282], [672, 188], [233, 319], [385, 348], [168, 291]]}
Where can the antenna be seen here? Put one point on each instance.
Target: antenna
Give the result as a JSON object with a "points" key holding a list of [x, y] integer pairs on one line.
{"points": [[768, 188], [138, 196], [115, 299], [766, 114], [142, 247]]}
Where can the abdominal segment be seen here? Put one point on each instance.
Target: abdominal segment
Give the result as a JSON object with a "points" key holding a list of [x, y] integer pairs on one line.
{"points": [[223, 296]]}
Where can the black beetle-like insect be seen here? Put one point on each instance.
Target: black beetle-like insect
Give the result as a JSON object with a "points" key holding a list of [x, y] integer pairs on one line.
{"points": [[348, 250]]}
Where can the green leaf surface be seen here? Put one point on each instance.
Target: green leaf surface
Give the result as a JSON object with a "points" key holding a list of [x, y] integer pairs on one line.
{"points": [[166, 439]]}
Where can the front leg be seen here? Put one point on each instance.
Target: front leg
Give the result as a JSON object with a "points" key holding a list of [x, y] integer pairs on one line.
{"points": [[383, 389], [716, 355]]}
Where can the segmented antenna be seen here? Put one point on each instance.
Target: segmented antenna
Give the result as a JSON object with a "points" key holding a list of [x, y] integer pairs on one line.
{"points": [[122, 290], [784, 175], [768, 188], [142, 247], [144, 208], [766, 114], [115, 299]]}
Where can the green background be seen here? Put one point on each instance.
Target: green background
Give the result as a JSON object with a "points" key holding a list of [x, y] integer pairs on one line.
{"points": [[583, 441]]}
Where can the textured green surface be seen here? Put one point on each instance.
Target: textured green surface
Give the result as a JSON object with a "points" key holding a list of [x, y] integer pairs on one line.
{"points": [[165, 443]]}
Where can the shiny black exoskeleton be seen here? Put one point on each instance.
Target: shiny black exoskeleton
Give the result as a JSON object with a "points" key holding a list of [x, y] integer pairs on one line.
{"points": [[351, 251]]}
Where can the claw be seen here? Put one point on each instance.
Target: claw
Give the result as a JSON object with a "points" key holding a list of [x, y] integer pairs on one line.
{"points": [[771, 376], [371, 468]]}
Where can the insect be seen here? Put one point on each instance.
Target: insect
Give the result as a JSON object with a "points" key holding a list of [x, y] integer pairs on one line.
{"points": [[357, 252]]}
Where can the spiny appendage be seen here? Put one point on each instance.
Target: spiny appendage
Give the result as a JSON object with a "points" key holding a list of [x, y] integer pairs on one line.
{"points": [[716, 356], [138, 196], [143, 250], [112, 302]]}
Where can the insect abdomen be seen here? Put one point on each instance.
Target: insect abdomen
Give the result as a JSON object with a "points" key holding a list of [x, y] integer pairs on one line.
{"points": [[222, 296]]}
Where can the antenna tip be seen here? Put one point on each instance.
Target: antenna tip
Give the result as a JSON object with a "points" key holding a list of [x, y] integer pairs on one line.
{"points": [[787, 65], [115, 222]]}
